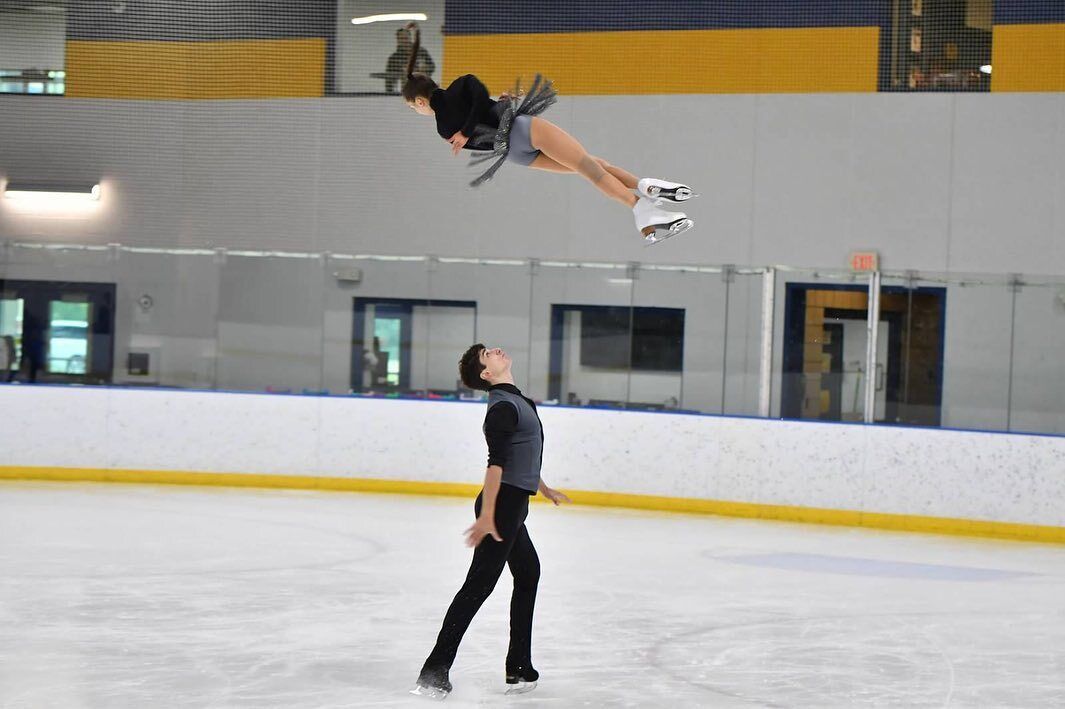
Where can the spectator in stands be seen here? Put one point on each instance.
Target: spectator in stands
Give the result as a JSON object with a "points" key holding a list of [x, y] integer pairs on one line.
{"points": [[396, 69]]}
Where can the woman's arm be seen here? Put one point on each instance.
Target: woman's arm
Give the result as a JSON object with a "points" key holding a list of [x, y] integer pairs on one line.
{"points": [[476, 94]]}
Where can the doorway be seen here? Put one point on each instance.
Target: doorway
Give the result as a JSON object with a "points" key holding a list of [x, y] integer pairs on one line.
{"points": [[396, 343], [824, 363], [57, 331]]}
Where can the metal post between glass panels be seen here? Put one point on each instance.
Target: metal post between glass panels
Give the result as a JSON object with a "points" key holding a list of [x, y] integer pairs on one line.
{"points": [[872, 328]]}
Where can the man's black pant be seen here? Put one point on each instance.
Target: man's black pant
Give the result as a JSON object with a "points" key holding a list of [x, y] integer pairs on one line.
{"points": [[517, 551]]}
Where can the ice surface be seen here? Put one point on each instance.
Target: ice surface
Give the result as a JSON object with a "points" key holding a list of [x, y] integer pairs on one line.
{"points": [[145, 596]]}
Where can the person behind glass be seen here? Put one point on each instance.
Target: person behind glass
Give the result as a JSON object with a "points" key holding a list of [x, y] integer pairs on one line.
{"points": [[380, 364], [32, 348], [395, 69], [510, 130], [7, 358], [514, 435]]}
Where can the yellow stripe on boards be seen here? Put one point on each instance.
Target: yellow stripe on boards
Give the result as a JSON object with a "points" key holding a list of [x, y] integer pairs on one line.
{"points": [[674, 62], [1028, 57], [230, 69], [780, 513]]}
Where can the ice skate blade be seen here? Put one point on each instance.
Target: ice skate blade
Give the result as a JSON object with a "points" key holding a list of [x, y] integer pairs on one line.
{"points": [[520, 688], [678, 227], [680, 194], [429, 693]]}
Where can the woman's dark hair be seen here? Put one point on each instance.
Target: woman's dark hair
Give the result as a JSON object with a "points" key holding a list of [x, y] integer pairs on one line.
{"points": [[470, 368], [417, 84]]}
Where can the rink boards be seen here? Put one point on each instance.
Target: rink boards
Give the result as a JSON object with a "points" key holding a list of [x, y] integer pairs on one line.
{"points": [[957, 482]]}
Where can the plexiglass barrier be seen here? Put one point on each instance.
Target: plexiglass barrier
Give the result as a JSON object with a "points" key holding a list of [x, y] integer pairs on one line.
{"points": [[971, 351]]}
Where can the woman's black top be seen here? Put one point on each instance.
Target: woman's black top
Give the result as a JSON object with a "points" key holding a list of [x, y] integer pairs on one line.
{"points": [[463, 105]]}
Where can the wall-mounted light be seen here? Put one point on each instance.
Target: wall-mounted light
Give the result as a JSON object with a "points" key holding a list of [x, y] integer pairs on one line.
{"points": [[16, 189], [986, 68], [52, 197], [399, 16]]}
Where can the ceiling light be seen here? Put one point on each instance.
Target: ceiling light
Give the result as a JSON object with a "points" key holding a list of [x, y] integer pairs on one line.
{"points": [[399, 16]]}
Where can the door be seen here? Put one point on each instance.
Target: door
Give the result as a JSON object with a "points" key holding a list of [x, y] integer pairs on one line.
{"points": [[825, 341], [60, 331]]}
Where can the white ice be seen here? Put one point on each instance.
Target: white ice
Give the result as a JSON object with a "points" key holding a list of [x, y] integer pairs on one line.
{"points": [[142, 596]]}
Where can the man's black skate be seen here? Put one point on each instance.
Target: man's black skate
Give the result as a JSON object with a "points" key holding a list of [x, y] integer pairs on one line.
{"points": [[521, 680], [432, 684]]}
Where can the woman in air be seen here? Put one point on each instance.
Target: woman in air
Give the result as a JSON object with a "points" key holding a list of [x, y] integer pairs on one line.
{"points": [[510, 129]]}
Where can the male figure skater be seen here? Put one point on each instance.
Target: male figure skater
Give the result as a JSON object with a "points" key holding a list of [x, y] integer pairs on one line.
{"points": [[515, 451]]}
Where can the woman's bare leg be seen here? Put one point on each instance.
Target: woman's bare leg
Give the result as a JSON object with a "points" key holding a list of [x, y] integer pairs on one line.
{"points": [[624, 176], [542, 162], [563, 149]]}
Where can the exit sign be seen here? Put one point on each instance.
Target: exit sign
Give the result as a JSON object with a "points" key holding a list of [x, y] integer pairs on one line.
{"points": [[865, 261]]}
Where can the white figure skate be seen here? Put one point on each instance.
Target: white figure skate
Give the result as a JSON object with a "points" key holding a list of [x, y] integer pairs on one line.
{"points": [[660, 189], [657, 224], [434, 685]]}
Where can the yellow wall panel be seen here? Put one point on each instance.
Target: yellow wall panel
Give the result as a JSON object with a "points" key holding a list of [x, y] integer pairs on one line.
{"points": [[276, 68], [1028, 58], [674, 62]]}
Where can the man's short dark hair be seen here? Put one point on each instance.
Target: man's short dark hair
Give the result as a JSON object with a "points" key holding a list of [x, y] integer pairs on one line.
{"points": [[470, 368]]}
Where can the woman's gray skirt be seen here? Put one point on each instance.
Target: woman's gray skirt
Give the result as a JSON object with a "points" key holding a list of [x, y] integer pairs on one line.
{"points": [[512, 140]]}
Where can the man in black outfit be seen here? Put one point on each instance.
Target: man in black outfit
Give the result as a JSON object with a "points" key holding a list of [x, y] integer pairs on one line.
{"points": [[515, 452]]}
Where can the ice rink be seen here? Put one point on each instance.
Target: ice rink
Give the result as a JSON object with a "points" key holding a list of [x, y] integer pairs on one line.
{"points": [[155, 596]]}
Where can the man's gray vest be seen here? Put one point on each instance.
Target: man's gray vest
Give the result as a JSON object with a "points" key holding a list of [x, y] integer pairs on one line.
{"points": [[522, 465]]}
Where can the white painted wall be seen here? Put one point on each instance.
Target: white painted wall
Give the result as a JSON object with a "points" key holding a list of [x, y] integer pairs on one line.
{"points": [[33, 40], [936, 182], [979, 476]]}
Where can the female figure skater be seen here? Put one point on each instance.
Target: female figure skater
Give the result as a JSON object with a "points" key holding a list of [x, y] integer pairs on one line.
{"points": [[510, 129]]}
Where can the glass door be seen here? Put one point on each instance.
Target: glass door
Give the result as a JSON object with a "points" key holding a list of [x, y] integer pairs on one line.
{"points": [[59, 331], [11, 308], [69, 320]]}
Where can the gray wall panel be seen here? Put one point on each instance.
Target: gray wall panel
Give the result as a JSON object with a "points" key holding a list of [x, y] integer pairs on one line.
{"points": [[824, 174]]}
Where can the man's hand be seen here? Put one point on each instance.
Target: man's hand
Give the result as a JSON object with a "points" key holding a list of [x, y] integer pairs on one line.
{"points": [[482, 527], [458, 142], [555, 496]]}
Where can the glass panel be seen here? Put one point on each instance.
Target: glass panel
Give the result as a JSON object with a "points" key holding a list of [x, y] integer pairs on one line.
{"points": [[168, 320], [500, 292], [371, 298], [939, 45], [10, 337], [270, 334], [383, 359], [976, 356], [65, 323], [68, 336], [822, 335], [1037, 395], [914, 313], [694, 301], [576, 337], [743, 344]]}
